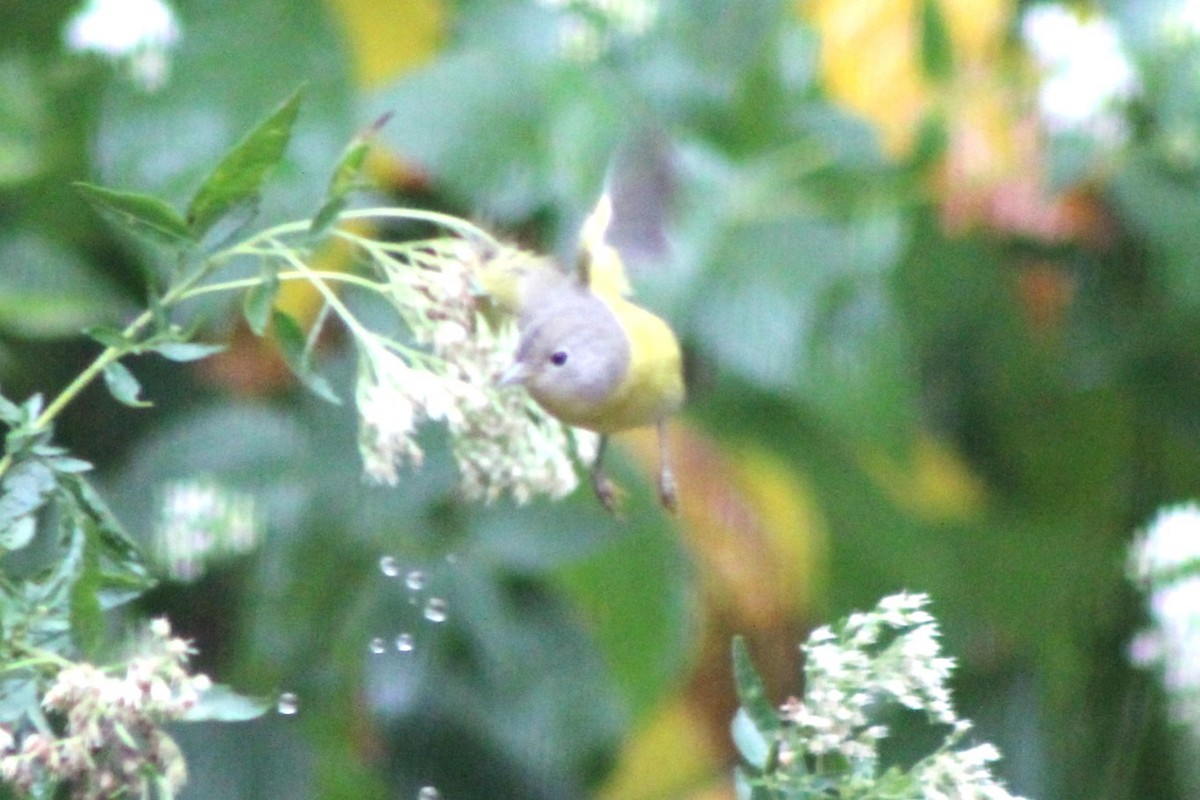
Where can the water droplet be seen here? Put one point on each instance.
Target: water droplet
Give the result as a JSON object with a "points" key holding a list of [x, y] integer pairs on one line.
{"points": [[404, 643], [435, 610], [288, 704], [377, 645], [415, 580], [451, 558], [389, 566], [429, 793]]}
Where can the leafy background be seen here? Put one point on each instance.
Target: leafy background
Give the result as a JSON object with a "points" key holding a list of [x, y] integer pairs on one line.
{"points": [[912, 364]]}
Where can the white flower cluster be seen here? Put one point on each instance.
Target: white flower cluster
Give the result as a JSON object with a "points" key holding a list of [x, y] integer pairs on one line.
{"points": [[139, 33], [502, 442], [961, 775], [588, 27], [1165, 561], [889, 654], [1086, 72], [112, 744]]}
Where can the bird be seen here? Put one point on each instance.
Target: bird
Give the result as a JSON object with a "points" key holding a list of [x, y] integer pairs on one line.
{"points": [[589, 355]]}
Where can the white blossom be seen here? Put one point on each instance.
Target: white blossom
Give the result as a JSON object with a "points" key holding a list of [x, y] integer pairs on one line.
{"points": [[1165, 560], [1086, 72], [502, 441], [112, 744], [138, 33]]}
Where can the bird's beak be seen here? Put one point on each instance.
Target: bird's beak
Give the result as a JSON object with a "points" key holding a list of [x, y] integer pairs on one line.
{"points": [[517, 373]]}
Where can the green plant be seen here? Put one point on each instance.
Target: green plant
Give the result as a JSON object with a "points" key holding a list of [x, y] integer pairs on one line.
{"points": [[67, 559], [857, 673]]}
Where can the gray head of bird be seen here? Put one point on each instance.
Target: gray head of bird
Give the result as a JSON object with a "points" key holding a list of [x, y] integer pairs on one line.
{"points": [[572, 355]]}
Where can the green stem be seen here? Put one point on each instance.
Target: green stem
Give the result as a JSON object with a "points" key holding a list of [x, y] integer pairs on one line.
{"points": [[81, 382], [246, 283], [37, 658], [184, 290], [330, 296]]}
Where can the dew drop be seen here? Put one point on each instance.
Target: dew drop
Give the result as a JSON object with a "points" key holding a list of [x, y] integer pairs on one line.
{"points": [[429, 793], [404, 643], [435, 610], [451, 558], [415, 580], [377, 645], [389, 566], [288, 704]]}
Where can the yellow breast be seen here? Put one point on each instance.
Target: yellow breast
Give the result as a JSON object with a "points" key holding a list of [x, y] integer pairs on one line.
{"points": [[652, 389]]}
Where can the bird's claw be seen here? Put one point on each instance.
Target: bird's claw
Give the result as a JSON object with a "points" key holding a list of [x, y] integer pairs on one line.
{"points": [[607, 492], [668, 492]]}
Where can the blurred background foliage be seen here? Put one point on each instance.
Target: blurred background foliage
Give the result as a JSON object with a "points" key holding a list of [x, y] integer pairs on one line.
{"points": [[930, 347]]}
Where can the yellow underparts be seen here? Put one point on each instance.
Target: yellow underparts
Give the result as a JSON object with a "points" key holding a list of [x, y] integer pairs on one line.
{"points": [[653, 388]]}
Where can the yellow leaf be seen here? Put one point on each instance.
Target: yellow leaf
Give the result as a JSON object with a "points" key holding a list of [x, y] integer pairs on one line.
{"points": [[390, 37], [672, 753], [936, 484], [870, 58]]}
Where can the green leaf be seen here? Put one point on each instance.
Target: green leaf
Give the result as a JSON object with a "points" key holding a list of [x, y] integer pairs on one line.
{"points": [[238, 179], [749, 740], [821, 291], [86, 615], [140, 214], [186, 351], [294, 347], [258, 302], [937, 52], [747, 790], [123, 386], [222, 704], [26, 488], [10, 412], [16, 534], [750, 691], [122, 567], [69, 465], [346, 177], [107, 336]]}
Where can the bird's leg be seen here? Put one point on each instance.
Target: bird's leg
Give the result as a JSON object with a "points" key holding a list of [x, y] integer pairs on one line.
{"points": [[605, 489], [668, 491]]}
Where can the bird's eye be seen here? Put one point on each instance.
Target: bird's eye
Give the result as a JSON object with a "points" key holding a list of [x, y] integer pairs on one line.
{"points": [[559, 358]]}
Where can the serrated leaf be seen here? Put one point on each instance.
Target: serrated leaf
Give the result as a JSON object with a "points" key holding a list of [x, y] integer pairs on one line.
{"points": [[258, 302], [140, 214], [222, 704], [751, 692], [123, 570], [937, 52], [294, 347], [186, 351], [123, 386], [238, 178], [25, 489]]}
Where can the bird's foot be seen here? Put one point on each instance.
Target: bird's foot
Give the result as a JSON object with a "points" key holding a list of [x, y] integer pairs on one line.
{"points": [[607, 492], [668, 492]]}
